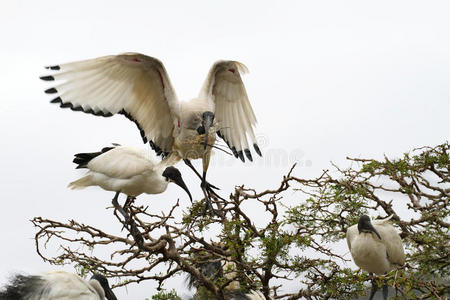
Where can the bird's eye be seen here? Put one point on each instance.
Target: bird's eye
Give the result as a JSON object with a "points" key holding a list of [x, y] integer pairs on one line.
{"points": [[201, 130]]}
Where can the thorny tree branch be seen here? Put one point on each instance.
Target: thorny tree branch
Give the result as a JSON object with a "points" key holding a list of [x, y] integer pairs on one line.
{"points": [[294, 244]]}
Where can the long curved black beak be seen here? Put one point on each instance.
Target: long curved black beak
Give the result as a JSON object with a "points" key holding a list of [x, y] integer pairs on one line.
{"points": [[180, 182], [364, 225], [208, 119], [371, 228], [109, 294], [105, 286]]}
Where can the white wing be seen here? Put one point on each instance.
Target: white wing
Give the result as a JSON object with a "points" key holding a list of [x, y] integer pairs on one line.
{"points": [[131, 84], [352, 232], [122, 162], [233, 111], [391, 240]]}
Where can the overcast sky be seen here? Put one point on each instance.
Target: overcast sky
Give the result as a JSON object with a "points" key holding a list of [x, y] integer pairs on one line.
{"points": [[328, 79]]}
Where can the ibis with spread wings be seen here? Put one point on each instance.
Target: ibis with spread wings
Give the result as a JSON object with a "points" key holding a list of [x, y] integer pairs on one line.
{"points": [[138, 86]]}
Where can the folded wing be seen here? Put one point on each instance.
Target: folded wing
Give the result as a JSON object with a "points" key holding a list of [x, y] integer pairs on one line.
{"points": [[131, 84], [122, 163]]}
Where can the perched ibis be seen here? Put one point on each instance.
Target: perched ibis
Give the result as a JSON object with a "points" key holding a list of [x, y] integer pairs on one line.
{"points": [[376, 247]]}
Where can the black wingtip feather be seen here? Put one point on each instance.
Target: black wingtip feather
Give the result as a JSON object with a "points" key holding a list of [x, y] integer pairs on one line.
{"points": [[80, 108], [65, 105], [77, 108], [47, 78], [51, 91], [248, 154], [257, 149], [56, 68], [233, 149], [155, 147], [241, 155], [56, 100]]}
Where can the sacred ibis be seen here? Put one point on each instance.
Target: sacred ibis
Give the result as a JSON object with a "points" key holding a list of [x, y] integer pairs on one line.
{"points": [[57, 286], [138, 86], [376, 247], [126, 170]]}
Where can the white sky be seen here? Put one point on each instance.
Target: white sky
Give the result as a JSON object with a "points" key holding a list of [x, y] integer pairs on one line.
{"points": [[328, 79]]}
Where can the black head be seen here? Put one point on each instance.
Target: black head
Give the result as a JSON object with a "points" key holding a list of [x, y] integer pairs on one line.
{"points": [[172, 174], [207, 115], [105, 285], [364, 225]]}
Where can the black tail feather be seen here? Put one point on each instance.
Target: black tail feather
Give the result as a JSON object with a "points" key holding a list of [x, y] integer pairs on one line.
{"points": [[82, 159]]}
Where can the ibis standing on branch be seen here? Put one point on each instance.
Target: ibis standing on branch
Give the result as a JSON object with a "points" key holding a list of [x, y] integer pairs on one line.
{"points": [[126, 170], [57, 286], [376, 247], [138, 86]]}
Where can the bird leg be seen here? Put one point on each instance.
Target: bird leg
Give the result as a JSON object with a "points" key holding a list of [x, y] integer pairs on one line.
{"points": [[116, 205], [385, 291], [205, 184], [208, 205], [126, 206], [189, 164], [133, 227], [374, 288], [207, 188], [128, 202]]}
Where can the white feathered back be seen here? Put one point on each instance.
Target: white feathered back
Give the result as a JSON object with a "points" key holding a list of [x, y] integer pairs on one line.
{"points": [[375, 255]]}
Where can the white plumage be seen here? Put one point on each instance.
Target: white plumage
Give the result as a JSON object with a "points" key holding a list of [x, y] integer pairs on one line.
{"points": [[128, 170], [375, 246], [57, 286], [138, 86]]}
